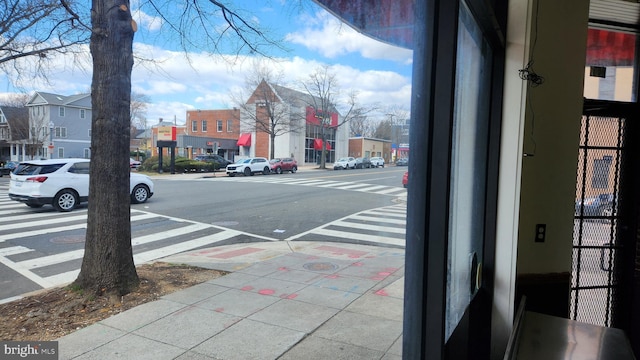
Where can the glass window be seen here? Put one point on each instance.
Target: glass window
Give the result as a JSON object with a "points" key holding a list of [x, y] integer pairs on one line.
{"points": [[219, 123], [468, 168], [194, 126], [204, 125], [61, 111], [229, 125], [60, 153], [611, 66], [82, 113], [87, 153]]}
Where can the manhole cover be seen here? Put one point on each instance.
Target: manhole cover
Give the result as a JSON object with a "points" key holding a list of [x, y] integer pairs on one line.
{"points": [[320, 266], [225, 223], [71, 239]]}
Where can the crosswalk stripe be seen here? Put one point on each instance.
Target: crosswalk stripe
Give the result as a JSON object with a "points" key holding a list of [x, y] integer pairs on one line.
{"points": [[341, 185], [34, 223], [150, 255], [378, 219], [363, 237], [14, 250], [352, 225], [3, 238]]}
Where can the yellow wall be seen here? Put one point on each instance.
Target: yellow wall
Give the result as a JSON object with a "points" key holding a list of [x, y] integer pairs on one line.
{"points": [[551, 134]]}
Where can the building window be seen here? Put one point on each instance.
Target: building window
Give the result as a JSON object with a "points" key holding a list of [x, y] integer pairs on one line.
{"points": [[89, 133], [204, 125], [82, 114], [60, 132], [601, 167], [61, 111], [3, 119], [60, 153], [87, 153], [229, 125], [219, 123], [194, 126]]}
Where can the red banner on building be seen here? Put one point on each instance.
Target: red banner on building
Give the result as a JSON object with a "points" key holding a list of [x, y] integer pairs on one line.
{"points": [[316, 117]]}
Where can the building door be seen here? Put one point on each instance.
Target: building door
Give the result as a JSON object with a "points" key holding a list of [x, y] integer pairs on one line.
{"points": [[605, 237]]}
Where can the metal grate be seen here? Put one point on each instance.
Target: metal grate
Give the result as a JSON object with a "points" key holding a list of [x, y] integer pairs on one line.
{"points": [[595, 279]]}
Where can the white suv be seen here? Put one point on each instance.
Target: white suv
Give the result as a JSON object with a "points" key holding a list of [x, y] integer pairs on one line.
{"points": [[377, 162], [64, 184], [345, 163], [249, 166]]}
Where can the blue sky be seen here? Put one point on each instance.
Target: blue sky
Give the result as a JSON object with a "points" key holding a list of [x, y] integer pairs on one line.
{"points": [[380, 73]]}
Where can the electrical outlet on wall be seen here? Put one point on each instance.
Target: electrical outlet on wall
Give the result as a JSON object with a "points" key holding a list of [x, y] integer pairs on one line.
{"points": [[541, 232]]}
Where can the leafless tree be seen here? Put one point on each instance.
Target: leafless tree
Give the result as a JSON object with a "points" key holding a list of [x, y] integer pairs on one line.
{"points": [[361, 126], [31, 31], [107, 265], [262, 109], [324, 91], [139, 104]]}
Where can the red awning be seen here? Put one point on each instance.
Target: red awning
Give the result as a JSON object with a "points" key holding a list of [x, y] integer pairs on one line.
{"points": [[317, 144], [244, 139]]}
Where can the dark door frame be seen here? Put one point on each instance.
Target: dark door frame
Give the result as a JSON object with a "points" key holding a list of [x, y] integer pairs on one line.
{"points": [[435, 36]]}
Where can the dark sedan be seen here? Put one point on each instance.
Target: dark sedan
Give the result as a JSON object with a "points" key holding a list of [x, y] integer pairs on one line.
{"points": [[7, 168], [601, 205]]}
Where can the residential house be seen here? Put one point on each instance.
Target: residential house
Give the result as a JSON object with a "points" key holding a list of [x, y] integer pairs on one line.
{"points": [[60, 126], [14, 130]]}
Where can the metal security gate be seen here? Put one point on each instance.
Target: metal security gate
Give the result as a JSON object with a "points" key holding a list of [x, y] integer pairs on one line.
{"points": [[597, 278]]}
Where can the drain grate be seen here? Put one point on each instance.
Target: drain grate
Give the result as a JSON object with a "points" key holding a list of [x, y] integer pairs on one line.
{"points": [[70, 239]]}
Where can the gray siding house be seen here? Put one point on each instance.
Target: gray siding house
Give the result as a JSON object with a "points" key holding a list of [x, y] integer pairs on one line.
{"points": [[62, 124]]}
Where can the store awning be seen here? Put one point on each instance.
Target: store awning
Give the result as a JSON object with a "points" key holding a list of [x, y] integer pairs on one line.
{"points": [[317, 144], [244, 140]]}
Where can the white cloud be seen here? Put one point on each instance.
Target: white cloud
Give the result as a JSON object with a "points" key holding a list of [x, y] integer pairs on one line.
{"points": [[144, 20], [176, 82], [326, 35]]}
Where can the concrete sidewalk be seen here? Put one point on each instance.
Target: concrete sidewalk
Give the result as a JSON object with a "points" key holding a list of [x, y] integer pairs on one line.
{"points": [[282, 300]]}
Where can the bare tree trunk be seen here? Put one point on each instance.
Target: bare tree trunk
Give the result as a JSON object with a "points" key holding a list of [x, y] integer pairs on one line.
{"points": [[108, 264]]}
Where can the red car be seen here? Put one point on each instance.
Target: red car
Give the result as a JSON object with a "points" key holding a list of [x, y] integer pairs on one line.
{"points": [[280, 165], [405, 179]]}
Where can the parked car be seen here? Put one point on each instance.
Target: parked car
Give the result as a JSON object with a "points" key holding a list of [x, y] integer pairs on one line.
{"points": [[405, 179], [601, 205], [362, 163], [64, 184], [134, 164], [402, 162], [280, 165], [345, 163], [7, 168], [249, 166], [221, 163], [377, 162]]}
